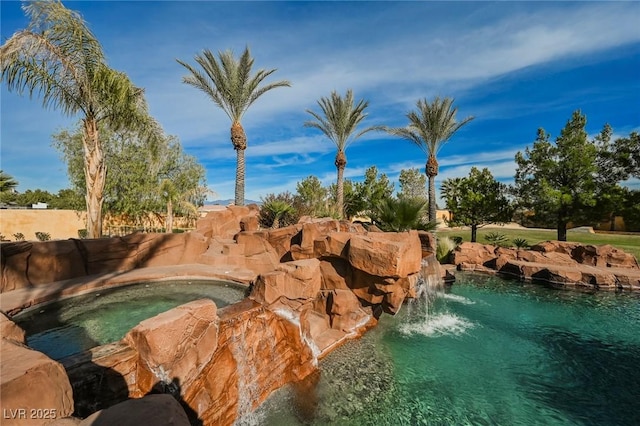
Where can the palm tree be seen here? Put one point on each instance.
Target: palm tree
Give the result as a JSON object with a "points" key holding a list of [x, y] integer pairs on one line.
{"points": [[229, 83], [450, 190], [339, 120], [431, 127], [403, 214], [7, 182], [58, 57]]}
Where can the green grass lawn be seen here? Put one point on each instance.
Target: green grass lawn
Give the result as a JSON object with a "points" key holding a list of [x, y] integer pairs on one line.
{"points": [[626, 242]]}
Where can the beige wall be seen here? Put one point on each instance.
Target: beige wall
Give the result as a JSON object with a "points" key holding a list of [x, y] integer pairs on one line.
{"points": [[60, 224]]}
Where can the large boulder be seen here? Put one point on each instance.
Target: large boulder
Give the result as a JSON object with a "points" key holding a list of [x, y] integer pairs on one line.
{"points": [[311, 231], [35, 389], [386, 254], [473, 254], [10, 330], [345, 311], [296, 280], [161, 410], [175, 345], [13, 265]]}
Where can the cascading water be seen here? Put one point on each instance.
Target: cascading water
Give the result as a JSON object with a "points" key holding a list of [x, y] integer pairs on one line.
{"points": [[427, 312]]}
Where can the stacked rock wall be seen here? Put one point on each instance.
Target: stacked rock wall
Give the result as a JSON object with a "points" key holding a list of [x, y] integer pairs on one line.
{"points": [[557, 263]]}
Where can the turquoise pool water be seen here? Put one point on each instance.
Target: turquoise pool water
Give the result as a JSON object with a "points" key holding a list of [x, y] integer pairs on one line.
{"points": [[73, 325], [489, 352]]}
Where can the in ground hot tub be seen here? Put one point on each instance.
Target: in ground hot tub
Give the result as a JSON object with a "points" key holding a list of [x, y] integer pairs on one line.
{"points": [[73, 325]]}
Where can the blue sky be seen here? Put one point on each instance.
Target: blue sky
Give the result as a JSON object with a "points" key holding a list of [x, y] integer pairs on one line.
{"points": [[515, 66]]}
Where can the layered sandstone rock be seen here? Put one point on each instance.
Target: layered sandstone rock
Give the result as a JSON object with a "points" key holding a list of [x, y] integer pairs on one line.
{"points": [[557, 263], [10, 330], [175, 345], [35, 389]]}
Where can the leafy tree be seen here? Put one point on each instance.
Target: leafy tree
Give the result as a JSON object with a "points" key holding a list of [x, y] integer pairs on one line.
{"points": [[58, 57], [557, 181], [232, 87], [7, 182], [35, 196], [477, 200], [339, 121], [369, 193], [182, 182], [413, 184], [430, 127], [311, 197], [145, 175], [617, 161], [68, 199], [397, 215]]}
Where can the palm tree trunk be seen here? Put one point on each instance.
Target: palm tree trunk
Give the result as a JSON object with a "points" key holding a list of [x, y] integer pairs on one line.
{"points": [[239, 141], [431, 170], [341, 163], [95, 172], [169, 226]]}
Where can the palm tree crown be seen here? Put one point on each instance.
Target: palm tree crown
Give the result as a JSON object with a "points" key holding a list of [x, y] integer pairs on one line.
{"points": [[229, 82], [339, 121], [59, 58], [430, 127]]}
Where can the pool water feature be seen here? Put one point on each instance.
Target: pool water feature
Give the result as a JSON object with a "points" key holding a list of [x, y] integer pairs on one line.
{"points": [[489, 352], [70, 326]]}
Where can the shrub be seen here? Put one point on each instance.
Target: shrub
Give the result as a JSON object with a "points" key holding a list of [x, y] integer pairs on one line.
{"points": [[397, 215], [19, 236], [520, 243], [457, 239], [444, 249], [496, 238], [43, 236], [83, 234], [277, 210]]}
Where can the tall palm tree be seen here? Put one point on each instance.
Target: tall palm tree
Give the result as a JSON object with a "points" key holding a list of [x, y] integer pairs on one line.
{"points": [[339, 120], [430, 127], [58, 57], [229, 83]]}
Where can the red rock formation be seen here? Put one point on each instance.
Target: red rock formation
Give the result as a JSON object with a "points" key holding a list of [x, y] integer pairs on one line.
{"points": [[318, 283], [149, 410], [35, 389], [557, 263]]}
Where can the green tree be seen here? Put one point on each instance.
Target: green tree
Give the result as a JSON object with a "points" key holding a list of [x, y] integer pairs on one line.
{"points": [[311, 197], [229, 82], [34, 196], [413, 184], [617, 161], [369, 193], [339, 121], [144, 174], [68, 199], [182, 182], [7, 182], [557, 181], [451, 189], [430, 127], [477, 200], [58, 57]]}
